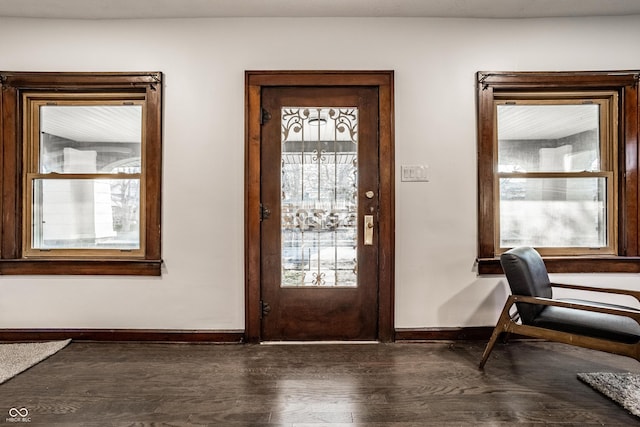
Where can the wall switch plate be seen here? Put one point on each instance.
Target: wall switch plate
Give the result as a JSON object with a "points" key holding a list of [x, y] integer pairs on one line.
{"points": [[414, 173]]}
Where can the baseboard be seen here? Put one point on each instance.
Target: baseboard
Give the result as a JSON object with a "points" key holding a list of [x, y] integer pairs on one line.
{"points": [[147, 335], [452, 334], [223, 337]]}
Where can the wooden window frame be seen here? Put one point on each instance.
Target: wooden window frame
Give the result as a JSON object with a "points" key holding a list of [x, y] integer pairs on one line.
{"points": [[608, 114], [492, 86], [15, 89]]}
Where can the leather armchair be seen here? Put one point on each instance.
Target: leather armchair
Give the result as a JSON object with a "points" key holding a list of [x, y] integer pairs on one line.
{"points": [[532, 311]]}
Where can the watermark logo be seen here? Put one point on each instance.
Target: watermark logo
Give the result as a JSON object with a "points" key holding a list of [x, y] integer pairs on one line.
{"points": [[18, 415]]}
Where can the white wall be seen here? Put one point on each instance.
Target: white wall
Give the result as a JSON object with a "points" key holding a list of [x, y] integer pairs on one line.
{"points": [[204, 60]]}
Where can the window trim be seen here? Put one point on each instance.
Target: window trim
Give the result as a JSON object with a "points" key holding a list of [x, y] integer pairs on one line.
{"points": [[32, 101], [493, 85], [13, 86]]}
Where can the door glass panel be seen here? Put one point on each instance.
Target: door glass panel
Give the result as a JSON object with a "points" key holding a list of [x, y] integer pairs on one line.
{"points": [[319, 196]]}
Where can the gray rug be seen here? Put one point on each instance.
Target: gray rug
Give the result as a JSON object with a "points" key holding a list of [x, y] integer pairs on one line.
{"points": [[622, 388], [15, 358]]}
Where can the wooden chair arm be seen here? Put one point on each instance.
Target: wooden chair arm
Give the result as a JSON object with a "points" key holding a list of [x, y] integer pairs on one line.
{"points": [[631, 313], [628, 292]]}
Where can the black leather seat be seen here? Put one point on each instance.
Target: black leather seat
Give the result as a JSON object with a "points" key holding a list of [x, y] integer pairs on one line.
{"points": [[591, 324]]}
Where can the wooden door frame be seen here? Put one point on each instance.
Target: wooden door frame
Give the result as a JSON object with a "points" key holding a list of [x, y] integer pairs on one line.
{"points": [[254, 82]]}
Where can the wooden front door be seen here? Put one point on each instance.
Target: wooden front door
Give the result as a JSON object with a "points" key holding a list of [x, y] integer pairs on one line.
{"points": [[322, 229]]}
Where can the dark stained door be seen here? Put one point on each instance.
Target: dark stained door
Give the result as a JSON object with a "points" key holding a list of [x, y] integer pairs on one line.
{"points": [[319, 195]]}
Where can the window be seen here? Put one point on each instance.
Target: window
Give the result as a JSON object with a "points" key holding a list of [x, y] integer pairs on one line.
{"points": [[557, 169], [81, 166]]}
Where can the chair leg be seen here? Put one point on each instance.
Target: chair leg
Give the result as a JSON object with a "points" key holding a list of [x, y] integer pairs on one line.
{"points": [[501, 327], [505, 337], [497, 331]]}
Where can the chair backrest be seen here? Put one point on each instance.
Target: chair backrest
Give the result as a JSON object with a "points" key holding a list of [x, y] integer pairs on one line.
{"points": [[527, 275]]}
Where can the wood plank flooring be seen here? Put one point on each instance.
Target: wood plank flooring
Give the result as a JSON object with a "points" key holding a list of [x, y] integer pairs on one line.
{"points": [[525, 383]]}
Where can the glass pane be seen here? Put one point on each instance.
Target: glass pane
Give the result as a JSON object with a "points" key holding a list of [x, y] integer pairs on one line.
{"points": [[548, 138], [553, 212], [319, 203], [86, 214], [89, 139]]}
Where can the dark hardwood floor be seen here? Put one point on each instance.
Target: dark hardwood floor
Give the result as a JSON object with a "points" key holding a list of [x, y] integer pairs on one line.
{"points": [[418, 384]]}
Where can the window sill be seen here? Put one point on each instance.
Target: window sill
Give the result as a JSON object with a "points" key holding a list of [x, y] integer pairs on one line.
{"points": [[602, 264], [115, 267]]}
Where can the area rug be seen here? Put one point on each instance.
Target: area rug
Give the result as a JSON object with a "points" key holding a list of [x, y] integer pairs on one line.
{"points": [[623, 388], [15, 358]]}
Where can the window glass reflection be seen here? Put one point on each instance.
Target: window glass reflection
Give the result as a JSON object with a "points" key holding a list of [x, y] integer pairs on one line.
{"points": [[553, 212], [86, 214], [548, 138], [89, 139]]}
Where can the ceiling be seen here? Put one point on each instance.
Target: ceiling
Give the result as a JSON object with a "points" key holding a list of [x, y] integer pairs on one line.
{"points": [[133, 9]]}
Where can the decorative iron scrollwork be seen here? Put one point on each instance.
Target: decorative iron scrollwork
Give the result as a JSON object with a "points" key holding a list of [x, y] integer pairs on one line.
{"points": [[319, 196], [345, 120]]}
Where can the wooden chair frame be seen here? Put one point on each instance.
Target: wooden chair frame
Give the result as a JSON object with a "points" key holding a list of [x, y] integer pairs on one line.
{"points": [[508, 323]]}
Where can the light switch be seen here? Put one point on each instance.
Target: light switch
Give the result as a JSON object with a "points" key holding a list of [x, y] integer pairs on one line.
{"points": [[418, 173]]}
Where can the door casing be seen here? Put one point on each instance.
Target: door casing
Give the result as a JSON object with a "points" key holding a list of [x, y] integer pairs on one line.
{"points": [[254, 82]]}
